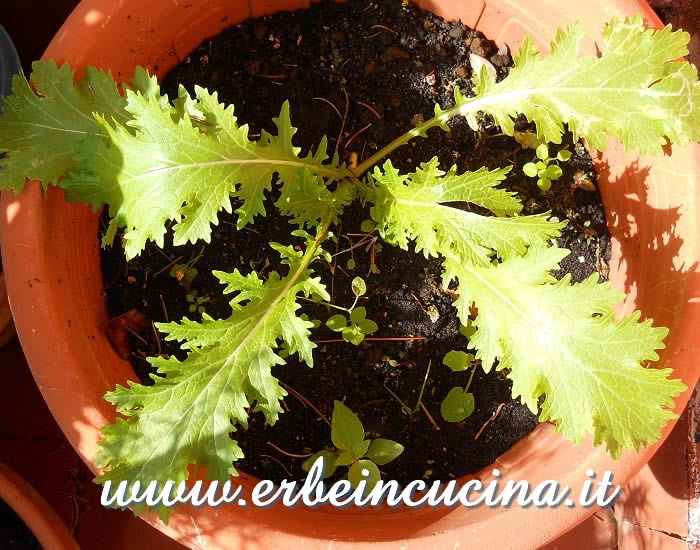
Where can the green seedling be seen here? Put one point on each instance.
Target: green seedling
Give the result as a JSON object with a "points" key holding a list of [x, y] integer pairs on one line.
{"points": [[353, 450], [459, 403], [196, 302], [186, 273], [405, 409], [355, 327], [544, 170]]}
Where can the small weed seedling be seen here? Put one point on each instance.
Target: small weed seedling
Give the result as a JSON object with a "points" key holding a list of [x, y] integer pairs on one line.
{"points": [[357, 326], [160, 164], [353, 450], [459, 403], [196, 302], [544, 170], [405, 409]]}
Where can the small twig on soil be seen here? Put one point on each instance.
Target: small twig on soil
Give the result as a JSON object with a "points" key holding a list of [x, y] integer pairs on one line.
{"points": [[275, 76], [430, 417], [397, 339], [165, 310], [370, 109], [418, 302], [329, 103], [493, 417], [384, 28], [279, 463], [345, 118], [347, 144], [171, 264], [291, 455], [304, 401], [155, 334], [135, 334], [284, 405]]}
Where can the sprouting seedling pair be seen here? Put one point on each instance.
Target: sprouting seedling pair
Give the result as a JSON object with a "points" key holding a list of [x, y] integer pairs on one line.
{"points": [[355, 327], [353, 450], [459, 403], [544, 170]]}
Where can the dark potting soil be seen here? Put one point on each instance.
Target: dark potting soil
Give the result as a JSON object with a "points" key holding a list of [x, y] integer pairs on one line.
{"points": [[383, 67], [14, 533]]}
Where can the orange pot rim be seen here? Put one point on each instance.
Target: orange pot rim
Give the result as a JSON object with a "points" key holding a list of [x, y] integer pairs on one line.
{"points": [[36, 513], [53, 278]]}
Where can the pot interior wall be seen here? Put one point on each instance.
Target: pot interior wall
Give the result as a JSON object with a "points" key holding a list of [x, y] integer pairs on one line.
{"points": [[652, 213]]}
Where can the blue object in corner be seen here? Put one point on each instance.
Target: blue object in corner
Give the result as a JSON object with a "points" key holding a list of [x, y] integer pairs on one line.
{"points": [[9, 64]]}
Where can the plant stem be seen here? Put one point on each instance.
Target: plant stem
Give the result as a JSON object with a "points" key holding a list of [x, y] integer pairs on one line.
{"points": [[467, 106], [471, 376], [422, 388]]}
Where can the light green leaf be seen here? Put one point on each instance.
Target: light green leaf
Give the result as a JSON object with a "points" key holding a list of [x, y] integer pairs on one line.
{"points": [[458, 360], [367, 226], [553, 172], [160, 166], [413, 207], [347, 432], [329, 463], [40, 132], [530, 169], [457, 406], [542, 151], [544, 183], [337, 322], [367, 326], [563, 155], [353, 335], [359, 287], [383, 451], [345, 458], [186, 416], [358, 314], [561, 340], [355, 474], [637, 90]]}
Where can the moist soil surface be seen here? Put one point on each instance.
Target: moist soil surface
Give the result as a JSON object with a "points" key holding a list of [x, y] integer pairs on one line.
{"points": [[361, 73]]}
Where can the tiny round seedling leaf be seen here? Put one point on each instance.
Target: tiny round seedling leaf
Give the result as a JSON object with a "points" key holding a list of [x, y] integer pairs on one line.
{"points": [[467, 330], [367, 226], [457, 405], [358, 286], [542, 151], [337, 322], [383, 451], [351, 264], [544, 184], [358, 314], [367, 326], [553, 172], [458, 360], [347, 432], [353, 335], [360, 450], [329, 463], [345, 458], [530, 169], [356, 474], [563, 155]]}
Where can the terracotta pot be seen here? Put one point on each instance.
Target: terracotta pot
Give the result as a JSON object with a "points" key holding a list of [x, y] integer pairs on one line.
{"points": [[36, 513], [7, 327], [52, 262]]}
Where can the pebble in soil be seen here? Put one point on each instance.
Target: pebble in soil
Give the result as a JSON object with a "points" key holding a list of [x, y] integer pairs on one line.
{"points": [[386, 65]]}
